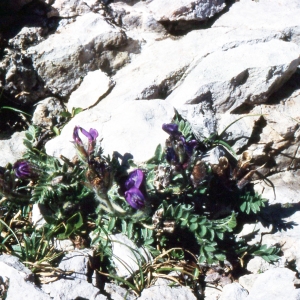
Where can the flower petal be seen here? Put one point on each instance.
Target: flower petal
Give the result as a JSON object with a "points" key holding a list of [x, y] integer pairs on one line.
{"points": [[25, 170], [135, 198], [135, 179], [190, 146], [171, 129], [91, 135], [76, 137]]}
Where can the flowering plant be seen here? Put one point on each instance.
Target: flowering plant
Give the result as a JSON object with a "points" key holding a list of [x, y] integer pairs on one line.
{"points": [[179, 199]]}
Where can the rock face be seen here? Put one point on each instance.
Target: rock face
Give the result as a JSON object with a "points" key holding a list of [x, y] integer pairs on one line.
{"points": [[185, 10], [128, 64], [20, 280], [83, 46]]}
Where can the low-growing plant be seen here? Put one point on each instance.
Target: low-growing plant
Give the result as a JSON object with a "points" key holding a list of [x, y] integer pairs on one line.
{"points": [[182, 206]]}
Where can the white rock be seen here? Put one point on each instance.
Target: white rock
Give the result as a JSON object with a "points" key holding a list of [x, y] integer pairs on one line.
{"points": [[233, 291], [166, 292], [65, 289], [69, 8], [19, 280], [258, 265], [255, 231], [37, 217], [63, 245], [67, 55], [211, 293], [117, 292], [286, 185], [137, 18], [239, 132], [274, 284], [247, 281], [185, 10], [13, 148], [47, 112], [126, 255], [94, 86], [287, 234], [278, 15], [77, 262], [135, 127], [246, 74]]}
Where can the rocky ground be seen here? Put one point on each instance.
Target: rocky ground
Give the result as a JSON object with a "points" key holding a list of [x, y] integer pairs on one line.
{"points": [[128, 64]]}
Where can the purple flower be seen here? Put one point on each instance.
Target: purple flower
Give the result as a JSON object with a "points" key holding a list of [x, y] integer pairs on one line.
{"points": [[91, 135], [25, 170], [190, 146], [171, 156], [171, 129], [133, 185], [76, 137], [135, 198], [135, 179]]}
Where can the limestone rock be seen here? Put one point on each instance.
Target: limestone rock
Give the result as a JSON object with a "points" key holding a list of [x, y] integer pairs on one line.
{"points": [[278, 15], [19, 79], [13, 148], [248, 74], [274, 284], [65, 289], [63, 245], [286, 233], [94, 86], [76, 261], [137, 18], [69, 8], [26, 37], [247, 281], [258, 265], [135, 128], [126, 255], [20, 280], [37, 217], [118, 293], [233, 291], [166, 292], [186, 10], [67, 55], [211, 293], [286, 187], [47, 112]]}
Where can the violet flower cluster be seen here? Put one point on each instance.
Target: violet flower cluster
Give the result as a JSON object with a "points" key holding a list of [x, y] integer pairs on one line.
{"points": [[100, 174], [178, 150], [25, 170], [133, 195]]}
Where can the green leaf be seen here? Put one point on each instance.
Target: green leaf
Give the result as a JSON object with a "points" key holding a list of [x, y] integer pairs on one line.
{"points": [[178, 212], [149, 241], [193, 226], [28, 136], [56, 130], [111, 224], [209, 248], [220, 257], [193, 219], [65, 114], [203, 231], [76, 111]]}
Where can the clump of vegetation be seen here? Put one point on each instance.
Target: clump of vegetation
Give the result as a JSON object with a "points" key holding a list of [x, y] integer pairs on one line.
{"points": [[183, 206]]}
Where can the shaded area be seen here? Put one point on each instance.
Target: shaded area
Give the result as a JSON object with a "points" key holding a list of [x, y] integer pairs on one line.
{"points": [[33, 14]]}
